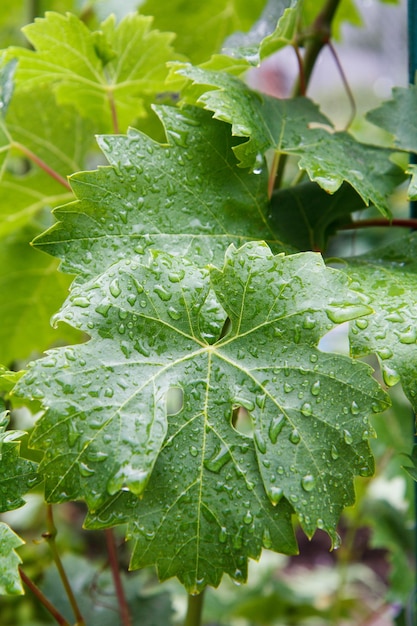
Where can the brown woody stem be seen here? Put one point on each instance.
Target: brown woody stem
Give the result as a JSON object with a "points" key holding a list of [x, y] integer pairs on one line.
{"points": [[114, 566], [44, 166], [58, 617]]}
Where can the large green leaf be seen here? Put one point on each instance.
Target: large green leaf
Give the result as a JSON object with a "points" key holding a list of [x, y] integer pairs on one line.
{"points": [[10, 583], [387, 278], [187, 197], [201, 27], [290, 126], [32, 290], [106, 74], [155, 328], [18, 475]]}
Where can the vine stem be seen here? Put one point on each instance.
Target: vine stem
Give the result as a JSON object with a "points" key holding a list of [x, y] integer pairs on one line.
{"points": [[317, 37], [194, 610], [44, 166], [58, 617], [398, 222], [50, 537], [114, 566]]}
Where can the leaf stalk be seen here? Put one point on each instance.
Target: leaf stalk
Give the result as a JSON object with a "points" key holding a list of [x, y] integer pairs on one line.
{"points": [[194, 610], [50, 537], [114, 566], [58, 617]]}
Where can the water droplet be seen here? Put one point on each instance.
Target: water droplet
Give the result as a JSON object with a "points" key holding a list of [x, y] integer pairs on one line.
{"points": [[173, 313], [275, 427], [81, 301], [288, 388], [193, 451], [354, 408], [345, 312], [103, 309], [385, 353], [176, 277], [362, 324], [266, 539], [218, 460], [275, 494], [408, 337], [308, 482], [347, 437], [295, 437], [114, 288], [85, 470], [108, 392], [334, 453], [307, 409], [223, 534], [259, 441], [390, 375], [248, 519], [162, 293], [309, 322], [313, 358], [315, 388]]}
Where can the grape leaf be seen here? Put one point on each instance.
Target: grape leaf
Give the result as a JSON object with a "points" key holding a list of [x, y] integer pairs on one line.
{"points": [[306, 216], [186, 197], [10, 583], [57, 136], [285, 126], [106, 74], [106, 427], [388, 279], [32, 291], [201, 27], [274, 29], [18, 475], [396, 117]]}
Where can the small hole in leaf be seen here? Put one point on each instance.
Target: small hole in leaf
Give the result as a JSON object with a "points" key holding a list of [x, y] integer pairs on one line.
{"points": [[241, 421], [175, 400]]}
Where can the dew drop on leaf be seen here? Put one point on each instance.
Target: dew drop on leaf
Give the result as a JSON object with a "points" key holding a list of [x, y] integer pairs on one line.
{"points": [[354, 409], [114, 288], [275, 494], [222, 534], [308, 482], [390, 375], [260, 442], [306, 409], [248, 519], [347, 437], [295, 437], [266, 539], [315, 388], [275, 427]]}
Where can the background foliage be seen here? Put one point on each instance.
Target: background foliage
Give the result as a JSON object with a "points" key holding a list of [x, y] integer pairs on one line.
{"points": [[197, 406]]}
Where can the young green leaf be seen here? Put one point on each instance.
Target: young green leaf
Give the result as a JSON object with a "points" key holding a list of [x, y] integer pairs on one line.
{"points": [[10, 583], [32, 291], [186, 197], [106, 427], [388, 280], [290, 126], [18, 475], [202, 27], [107, 75]]}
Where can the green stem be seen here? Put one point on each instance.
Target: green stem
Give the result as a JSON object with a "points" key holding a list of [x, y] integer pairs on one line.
{"points": [[114, 566], [50, 536], [60, 619], [317, 37], [44, 166], [194, 610]]}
